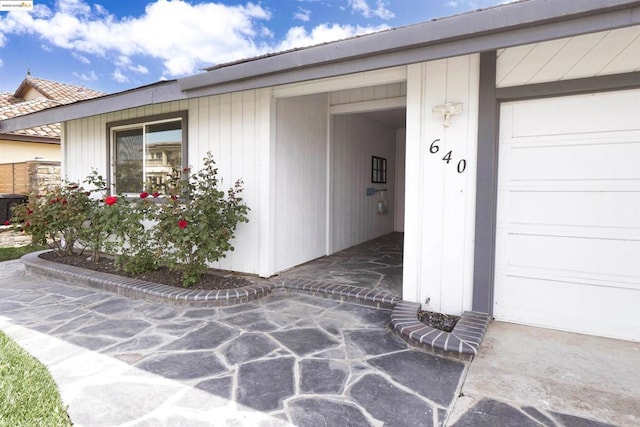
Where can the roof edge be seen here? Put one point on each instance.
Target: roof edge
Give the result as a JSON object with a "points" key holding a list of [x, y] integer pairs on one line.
{"points": [[164, 91], [493, 20]]}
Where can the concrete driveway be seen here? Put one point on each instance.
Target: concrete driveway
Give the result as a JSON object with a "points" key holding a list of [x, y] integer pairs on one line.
{"points": [[533, 376]]}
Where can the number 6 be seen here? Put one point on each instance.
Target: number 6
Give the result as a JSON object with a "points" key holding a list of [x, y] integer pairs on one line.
{"points": [[433, 148]]}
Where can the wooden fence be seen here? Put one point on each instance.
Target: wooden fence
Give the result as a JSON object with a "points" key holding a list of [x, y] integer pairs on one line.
{"points": [[34, 176]]}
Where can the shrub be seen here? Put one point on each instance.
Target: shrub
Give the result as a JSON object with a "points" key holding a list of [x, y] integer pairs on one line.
{"points": [[199, 223], [186, 230], [57, 218]]}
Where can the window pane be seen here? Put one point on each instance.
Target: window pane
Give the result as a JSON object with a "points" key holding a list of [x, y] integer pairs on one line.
{"points": [[163, 154], [128, 150]]}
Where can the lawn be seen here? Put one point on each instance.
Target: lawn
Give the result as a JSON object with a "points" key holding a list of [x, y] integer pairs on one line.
{"points": [[7, 254], [28, 394]]}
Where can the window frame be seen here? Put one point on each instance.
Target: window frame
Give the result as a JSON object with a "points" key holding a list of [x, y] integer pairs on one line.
{"points": [[137, 122], [378, 170]]}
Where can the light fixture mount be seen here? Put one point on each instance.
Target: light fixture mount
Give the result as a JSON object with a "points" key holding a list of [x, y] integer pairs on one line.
{"points": [[447, 110]]}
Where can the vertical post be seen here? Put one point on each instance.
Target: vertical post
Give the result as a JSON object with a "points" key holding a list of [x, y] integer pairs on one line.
{"points": [[487, 186]]}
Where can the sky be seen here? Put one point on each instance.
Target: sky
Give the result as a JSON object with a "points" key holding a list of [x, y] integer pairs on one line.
{"points": [[115, 45]]}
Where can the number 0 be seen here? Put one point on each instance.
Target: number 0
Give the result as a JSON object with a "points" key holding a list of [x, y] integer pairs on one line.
{"points": [[462, 165]]}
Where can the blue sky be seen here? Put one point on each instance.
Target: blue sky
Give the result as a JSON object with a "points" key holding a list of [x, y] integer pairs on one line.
{"points": [[115, 45]]}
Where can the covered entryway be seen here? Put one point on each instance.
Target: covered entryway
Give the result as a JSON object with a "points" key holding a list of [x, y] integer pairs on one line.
{"points": [[568, 221]]}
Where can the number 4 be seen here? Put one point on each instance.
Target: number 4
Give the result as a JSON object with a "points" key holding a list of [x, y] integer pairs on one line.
{"points": [[447, 157]]}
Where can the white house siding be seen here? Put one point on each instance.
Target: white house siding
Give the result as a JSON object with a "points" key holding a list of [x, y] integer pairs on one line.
{"points": [[368, 93], [234, 127], [355, 138], [300, 193], [401, 151], [589, 55], [440, 202]]}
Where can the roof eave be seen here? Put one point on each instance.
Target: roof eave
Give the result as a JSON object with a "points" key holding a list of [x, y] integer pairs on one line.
{"points": [[146, 95], [509, 25], [484, 23]]}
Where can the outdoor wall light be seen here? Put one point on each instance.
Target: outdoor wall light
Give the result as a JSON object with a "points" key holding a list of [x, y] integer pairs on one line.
{"points": [[447, 110]]}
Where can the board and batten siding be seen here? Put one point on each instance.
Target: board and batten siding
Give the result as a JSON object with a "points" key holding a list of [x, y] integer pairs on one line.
{"points": [[440, 202], [354, 219], [300, 193], [235, 128]]}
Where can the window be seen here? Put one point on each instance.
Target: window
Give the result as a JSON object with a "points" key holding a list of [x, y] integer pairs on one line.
{"points": [[144, 155], [378, 170]]}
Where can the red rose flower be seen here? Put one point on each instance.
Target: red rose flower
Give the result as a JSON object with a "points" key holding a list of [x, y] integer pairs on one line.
{"points": [[182, 224], [87, 193], [52, 201], [174, 197], [7, 223], [26, 224], [29, 211], [185, 170], [144, 195], [64, 201], [111, 200], [156, 195]]}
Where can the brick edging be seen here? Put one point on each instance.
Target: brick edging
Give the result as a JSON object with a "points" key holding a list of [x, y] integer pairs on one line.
{"points": [[462, 342], [136, 288]]}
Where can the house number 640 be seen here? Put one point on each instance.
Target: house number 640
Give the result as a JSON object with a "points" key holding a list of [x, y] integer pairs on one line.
{"points": [[434, 148]]}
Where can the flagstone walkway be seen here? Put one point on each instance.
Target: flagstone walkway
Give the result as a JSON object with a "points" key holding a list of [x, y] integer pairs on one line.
{"points": [[285, 359]]}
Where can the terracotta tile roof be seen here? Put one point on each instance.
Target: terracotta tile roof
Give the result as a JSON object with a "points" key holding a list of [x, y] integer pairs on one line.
{"points": [[65, 93], [52, 94]]}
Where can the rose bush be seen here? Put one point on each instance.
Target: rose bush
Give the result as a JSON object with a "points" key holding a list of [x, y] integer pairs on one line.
{"points": [[188, 229], [207, 221]]}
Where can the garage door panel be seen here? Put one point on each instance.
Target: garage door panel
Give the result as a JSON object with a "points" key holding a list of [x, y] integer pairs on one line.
{"points": [[576, 208], [603, 257], [568, 215], [593, 113], [575, 162], [577, 307]]}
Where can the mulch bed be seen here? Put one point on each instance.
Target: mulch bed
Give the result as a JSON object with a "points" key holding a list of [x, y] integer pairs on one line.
{"points": [[444, 322], [212, 280]]}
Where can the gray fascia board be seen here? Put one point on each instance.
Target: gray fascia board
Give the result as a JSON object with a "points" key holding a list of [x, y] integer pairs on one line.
{"points": [[148, 95], [487, 42], [494, 21]]}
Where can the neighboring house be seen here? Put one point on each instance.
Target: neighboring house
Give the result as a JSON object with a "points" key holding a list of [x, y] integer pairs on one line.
{"points": [[526, 206], [38, 143]]}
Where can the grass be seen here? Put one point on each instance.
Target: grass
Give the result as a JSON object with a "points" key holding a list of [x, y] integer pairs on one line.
{"points": [[28, 394], [7, 254]]}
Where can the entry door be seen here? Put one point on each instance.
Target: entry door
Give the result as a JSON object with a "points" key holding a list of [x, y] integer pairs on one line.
{"points": [[568, 228]]}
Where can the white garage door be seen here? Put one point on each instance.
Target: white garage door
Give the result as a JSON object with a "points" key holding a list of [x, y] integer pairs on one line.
{"points": [[568, 226]]}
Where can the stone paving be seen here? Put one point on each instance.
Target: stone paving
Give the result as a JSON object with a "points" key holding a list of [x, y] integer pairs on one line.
{"points": [[374, 264], [289, 358]]}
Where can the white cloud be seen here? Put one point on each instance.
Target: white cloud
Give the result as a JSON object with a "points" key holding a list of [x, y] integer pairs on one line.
{"points": [[86, 77], [302, 14], [81, 58], [362, 7], [183, 36], [299, 37], [119, 77]]}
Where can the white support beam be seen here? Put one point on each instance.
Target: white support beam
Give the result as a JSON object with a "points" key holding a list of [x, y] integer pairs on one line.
{"points": [[373, 105], [349, 81]]}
